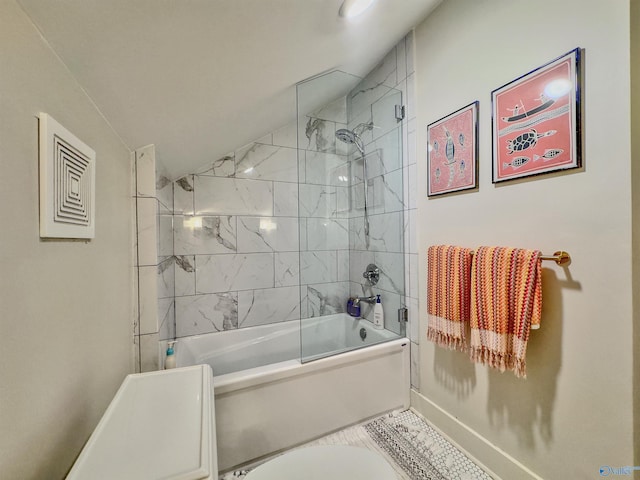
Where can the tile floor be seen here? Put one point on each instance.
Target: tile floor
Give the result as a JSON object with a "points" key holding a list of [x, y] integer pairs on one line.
{"points": [[412, 447]]}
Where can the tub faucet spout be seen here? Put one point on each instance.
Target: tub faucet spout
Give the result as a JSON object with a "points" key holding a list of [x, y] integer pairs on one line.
{"points": [[371, 299]]}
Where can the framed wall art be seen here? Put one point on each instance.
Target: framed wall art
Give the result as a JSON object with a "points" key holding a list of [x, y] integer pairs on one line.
{"points": [[452, 152], [536, 121]]}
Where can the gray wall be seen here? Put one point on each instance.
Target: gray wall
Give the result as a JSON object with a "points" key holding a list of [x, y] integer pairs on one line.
{"points": [[67, 315], [574, 412]]}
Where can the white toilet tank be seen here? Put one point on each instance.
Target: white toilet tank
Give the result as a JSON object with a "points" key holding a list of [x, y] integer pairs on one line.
{"points": [[159, 425]]}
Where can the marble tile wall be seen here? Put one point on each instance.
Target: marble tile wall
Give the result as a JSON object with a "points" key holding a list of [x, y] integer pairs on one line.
{"points": [[391, 175], [274, 230], [236, 244], [154, 260], [332, 191], [406, 83], [406, 79], [324, 200]]}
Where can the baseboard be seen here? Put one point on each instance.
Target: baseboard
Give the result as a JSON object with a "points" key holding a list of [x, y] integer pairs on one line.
{"points": [[498, 463]]}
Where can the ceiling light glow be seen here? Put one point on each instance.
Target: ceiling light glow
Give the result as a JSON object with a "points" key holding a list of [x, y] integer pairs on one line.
{"points": [[353, 8]]}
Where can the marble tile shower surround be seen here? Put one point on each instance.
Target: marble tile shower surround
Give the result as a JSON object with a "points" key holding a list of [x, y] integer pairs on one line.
{"points": [[390, 202], [247, 227], [155, 265], [373, 100], [274, 230], [240, 264], [298, 179]]}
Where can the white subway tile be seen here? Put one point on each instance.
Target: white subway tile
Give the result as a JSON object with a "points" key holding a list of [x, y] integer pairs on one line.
{"points": [[267, 234], [199, 314], [259, 307], [230, 196], [204, 234], [225, 273], [146, 171]]}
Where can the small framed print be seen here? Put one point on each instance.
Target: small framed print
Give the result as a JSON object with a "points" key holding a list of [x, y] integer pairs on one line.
{"points": [[536, 121], [452, 152]]}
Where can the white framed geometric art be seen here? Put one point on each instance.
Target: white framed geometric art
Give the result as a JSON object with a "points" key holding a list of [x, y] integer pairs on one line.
{"points": [[67, 183]]}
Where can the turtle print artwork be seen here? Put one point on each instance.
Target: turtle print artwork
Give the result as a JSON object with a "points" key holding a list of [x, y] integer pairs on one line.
{"points": [[452, 152], [526, 140], [536, 121]]}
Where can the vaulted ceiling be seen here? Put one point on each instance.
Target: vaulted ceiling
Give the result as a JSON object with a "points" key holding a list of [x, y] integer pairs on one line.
{"points": [[199, 78]]}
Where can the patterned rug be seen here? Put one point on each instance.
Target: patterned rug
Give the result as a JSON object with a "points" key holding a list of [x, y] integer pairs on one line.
{"points": [[412, 447]]}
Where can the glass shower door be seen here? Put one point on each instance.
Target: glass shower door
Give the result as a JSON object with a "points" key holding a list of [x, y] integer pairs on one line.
{"points": [[350, 212]]}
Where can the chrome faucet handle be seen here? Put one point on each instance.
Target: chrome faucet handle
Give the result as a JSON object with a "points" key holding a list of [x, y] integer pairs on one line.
{"points": [[372, 273]]}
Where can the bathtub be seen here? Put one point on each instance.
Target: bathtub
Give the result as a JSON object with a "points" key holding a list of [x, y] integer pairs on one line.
{"points": [[263, 409]]}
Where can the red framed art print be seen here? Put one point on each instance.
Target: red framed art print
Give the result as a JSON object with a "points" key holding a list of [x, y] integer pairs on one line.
{"points": [[536, 121], [452, 152]]}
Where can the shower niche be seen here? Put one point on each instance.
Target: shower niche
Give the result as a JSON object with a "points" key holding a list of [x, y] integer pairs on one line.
{"points": [[350, 204]]}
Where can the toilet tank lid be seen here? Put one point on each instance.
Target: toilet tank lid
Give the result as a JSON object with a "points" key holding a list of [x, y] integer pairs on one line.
{"points": [[158, 425]]}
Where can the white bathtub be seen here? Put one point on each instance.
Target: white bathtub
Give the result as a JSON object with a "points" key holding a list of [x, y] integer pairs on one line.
{"points": [[263, 409], [246, 348]]}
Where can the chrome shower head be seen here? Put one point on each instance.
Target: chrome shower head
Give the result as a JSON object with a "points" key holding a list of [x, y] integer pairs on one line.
{"points": [[346, 136], [351, 138]]}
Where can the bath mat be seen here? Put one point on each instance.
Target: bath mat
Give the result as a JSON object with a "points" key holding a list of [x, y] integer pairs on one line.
{"points": [[412, 447]]}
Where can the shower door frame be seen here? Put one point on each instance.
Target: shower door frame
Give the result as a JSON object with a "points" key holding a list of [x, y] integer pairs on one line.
{"points": [[340, 208]]}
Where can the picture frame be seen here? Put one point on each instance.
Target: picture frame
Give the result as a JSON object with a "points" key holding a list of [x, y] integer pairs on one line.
{"points": [[536, 121], [452, 152]]}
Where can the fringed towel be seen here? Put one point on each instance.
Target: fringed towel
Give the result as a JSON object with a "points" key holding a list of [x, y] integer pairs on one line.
{"points": [[448, 295], [506, 300]]}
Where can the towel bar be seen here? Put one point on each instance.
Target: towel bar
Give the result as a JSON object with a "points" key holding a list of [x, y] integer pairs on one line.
{"points": [[561, 257]]}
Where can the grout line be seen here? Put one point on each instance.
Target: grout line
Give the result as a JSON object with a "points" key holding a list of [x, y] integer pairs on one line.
{"points": [[193, 193], [136, 332]]}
